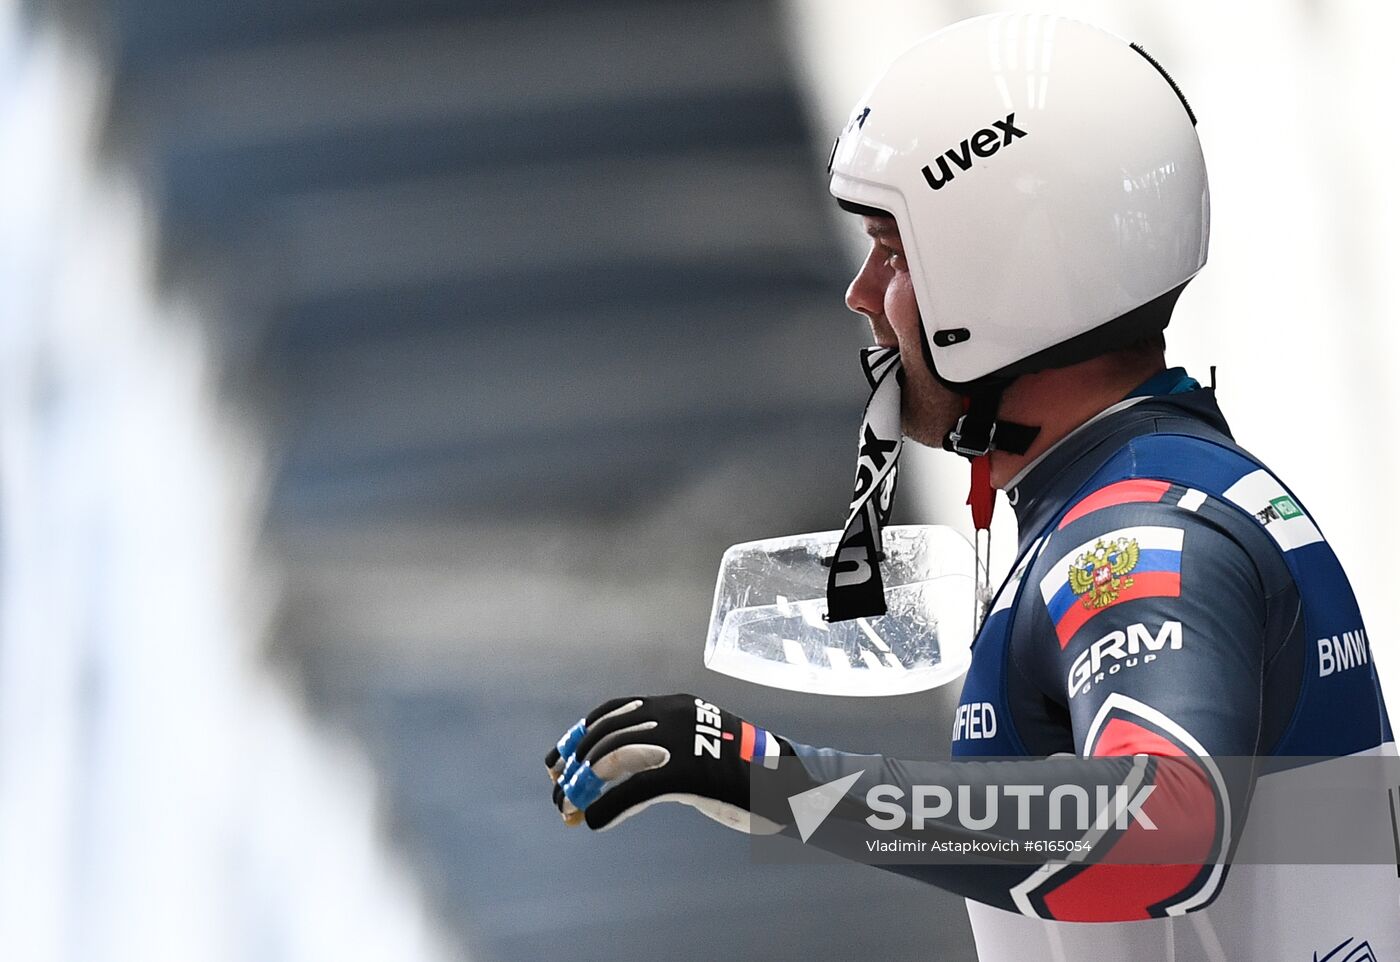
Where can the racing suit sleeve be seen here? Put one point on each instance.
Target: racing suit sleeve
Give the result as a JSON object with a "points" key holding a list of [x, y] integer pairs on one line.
{"points": [[1146, 628]]}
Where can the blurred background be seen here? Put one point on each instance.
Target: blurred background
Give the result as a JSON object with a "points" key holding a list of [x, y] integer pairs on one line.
{"points": [[380, 384]]}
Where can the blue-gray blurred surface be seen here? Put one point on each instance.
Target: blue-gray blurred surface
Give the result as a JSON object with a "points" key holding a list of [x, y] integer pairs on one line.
{"points": [[539, 305]]}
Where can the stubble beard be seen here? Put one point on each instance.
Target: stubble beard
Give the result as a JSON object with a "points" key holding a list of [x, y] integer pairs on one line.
{"points": [[928, 410]]}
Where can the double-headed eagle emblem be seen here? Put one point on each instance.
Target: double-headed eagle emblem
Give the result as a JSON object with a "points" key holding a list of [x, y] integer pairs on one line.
{"points": [[1100, 573]]}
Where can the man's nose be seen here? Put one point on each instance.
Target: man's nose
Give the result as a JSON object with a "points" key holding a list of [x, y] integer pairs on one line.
{"points": [[866, 295]]}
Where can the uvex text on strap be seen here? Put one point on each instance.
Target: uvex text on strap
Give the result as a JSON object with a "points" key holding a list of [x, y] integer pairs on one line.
{"points": [[854, 588]]}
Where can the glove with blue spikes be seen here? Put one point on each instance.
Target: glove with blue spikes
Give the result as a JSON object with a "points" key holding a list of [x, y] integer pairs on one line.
{"points": [[630, 753]]}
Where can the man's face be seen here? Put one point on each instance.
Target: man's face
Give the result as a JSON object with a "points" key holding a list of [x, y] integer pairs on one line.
{"points": [[883, 291]]}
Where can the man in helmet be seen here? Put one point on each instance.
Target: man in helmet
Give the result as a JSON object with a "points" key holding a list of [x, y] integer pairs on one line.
{"points": [[1036, 199]]}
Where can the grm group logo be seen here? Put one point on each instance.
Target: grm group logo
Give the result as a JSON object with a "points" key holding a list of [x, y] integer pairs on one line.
{"points": [[1120, 649]]}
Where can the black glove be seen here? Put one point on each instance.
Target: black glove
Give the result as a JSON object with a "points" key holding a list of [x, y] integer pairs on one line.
{"points": [[629, 753]]}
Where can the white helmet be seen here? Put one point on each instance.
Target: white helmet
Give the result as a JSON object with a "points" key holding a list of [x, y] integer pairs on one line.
{"points": [[1048, 186]]}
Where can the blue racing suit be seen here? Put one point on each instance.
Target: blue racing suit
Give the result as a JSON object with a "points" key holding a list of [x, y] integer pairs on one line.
{"points": [[1171, 599]]}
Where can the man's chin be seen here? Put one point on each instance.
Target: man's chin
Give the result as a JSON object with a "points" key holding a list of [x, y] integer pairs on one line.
{"points": [[927, 410], [921, 432]]}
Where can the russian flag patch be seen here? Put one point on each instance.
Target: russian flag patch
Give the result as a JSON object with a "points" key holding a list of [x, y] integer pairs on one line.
{"points": [[1137, 562], [758, 744]]}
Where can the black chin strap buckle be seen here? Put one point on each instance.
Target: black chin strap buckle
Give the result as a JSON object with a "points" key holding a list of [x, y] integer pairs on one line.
{"points": [[978, 432], [971, 441]]}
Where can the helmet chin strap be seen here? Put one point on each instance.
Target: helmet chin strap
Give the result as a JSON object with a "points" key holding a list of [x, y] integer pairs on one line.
{"points": [[978, 432], [976, 435]]}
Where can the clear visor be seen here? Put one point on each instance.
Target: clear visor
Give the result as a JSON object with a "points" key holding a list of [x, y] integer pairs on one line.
{"points": [[767, 623]]}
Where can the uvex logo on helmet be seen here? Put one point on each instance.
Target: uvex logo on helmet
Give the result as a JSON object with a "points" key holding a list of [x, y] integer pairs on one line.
{"points": [[984, 143]]}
